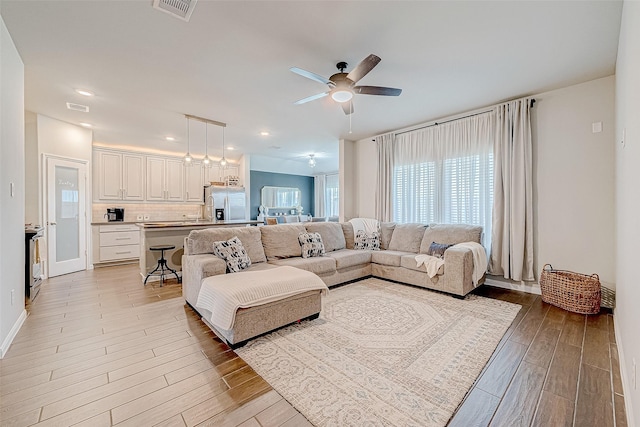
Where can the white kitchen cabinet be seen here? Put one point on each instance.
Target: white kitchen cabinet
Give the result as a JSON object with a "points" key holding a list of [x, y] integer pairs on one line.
{"points": [[217, 174], [165, 179], [118, 176], [118, 242], [194, 182]]}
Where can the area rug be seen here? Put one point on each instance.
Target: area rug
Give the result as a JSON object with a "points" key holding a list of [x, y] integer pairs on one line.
{"points": [[382, 354]]}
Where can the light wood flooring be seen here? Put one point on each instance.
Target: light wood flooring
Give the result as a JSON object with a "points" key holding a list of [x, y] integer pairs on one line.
{"points": [[99, 349]]}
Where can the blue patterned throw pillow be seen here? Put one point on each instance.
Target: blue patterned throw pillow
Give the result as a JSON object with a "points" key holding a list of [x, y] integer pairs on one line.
{"points": [[233, 253], [312, 245]]}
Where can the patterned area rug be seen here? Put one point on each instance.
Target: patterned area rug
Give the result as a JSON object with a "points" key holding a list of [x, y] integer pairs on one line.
{"points": [[382, 354]]}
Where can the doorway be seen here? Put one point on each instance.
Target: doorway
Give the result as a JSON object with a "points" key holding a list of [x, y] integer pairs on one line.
{"points": [[66, 215]]}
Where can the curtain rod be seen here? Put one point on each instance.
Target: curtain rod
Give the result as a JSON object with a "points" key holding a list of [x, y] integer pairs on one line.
{"points": [[533, 101]]}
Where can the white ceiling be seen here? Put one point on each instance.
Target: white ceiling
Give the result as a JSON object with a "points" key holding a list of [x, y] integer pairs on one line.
{"points": [[231, 63]]}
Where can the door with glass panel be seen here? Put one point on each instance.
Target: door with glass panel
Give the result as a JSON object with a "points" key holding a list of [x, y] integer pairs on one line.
{"points": [[66, 218]]}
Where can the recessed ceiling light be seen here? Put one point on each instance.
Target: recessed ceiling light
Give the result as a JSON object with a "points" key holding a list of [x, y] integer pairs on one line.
{"points": [[84, 92], [86, 125], [264, 133], [230, 148], [170, 138]]}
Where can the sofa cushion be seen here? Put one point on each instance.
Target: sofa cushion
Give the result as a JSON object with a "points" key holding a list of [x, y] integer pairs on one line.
{"points": [[407, 237], [233, 253], [346, 258], [349, 238], [331, 232], [311, 245], [367, 241], [281, 241], [201, 241], [317, 265], [386, 231], [450, 234], [391, 258]]}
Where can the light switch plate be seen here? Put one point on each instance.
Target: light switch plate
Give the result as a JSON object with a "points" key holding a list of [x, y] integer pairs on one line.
{"points": [[596, 127]]}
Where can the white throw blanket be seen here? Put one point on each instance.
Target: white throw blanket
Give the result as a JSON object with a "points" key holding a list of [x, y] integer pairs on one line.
{"points": [[433, 264], [479, 259], [369, 225], [224, 294]]}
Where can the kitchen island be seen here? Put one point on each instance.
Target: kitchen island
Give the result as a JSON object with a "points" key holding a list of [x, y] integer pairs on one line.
{"points": [[173, 233]]}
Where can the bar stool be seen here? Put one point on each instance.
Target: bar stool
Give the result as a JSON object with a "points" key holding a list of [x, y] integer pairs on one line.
{"points": [[162, 264]]}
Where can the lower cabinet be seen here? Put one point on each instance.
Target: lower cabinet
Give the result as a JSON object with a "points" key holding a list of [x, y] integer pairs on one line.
{"points": [[117, 243]]}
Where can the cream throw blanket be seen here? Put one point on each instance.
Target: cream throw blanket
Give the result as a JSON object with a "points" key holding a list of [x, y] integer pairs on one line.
{"points": [[224, 294], [369, 225], [479, 259], [433, 264]]}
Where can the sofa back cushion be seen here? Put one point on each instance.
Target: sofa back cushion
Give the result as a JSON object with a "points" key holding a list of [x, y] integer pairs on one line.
{"points": [[349, 236], [281, 241], [201, 241], [450, 234], [386, 231], [407, 237], [331, 232]]}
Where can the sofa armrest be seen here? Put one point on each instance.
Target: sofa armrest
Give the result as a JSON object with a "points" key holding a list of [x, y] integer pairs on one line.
{"points": [[458, 271], [196, 268]]}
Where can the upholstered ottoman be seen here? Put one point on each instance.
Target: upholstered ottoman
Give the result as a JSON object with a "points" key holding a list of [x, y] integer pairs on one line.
{"points": [[241, 306]]}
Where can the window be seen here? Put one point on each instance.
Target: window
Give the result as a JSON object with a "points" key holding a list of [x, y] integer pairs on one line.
{"points": [[444, 174], [332, 195]]}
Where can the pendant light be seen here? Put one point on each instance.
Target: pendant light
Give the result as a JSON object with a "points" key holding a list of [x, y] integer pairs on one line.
{"points": [[206, 162], [187, 157], [223, 160], [312, 161]]}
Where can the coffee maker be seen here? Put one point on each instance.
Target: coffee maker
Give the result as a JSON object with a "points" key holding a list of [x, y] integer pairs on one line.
{"points": [[115, 214]]}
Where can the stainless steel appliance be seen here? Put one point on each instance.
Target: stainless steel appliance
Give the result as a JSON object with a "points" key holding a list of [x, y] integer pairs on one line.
{"points": [[224, 203], [114, 214], [33, 263]]}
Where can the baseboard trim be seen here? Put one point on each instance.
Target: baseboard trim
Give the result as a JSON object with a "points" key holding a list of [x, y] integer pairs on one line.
{"points": [[533, 288], [12, 333], [626, 387]]}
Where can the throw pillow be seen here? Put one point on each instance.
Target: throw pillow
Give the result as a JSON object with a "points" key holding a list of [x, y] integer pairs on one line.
{"points": [[437, 249], [311, 244], [233, 253], [367, 241]]}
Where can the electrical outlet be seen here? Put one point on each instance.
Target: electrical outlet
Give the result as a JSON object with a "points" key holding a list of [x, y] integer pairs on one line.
{"points": [[624, 136], [147, 217], [140, 217], [634, 377], [13, 292]]}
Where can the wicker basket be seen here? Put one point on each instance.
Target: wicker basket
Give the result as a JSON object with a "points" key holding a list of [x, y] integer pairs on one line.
{"points": [[571, 291]]}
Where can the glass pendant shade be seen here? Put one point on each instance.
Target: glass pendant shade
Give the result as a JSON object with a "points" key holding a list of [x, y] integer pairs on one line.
{"points": [[206, 162], [187, 157]]}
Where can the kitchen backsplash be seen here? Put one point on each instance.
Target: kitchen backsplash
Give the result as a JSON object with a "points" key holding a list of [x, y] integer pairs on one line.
{"points": [[152, 211]]}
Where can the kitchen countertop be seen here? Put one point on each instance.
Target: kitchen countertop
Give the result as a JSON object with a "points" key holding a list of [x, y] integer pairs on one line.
{"points": [[191, 224]]}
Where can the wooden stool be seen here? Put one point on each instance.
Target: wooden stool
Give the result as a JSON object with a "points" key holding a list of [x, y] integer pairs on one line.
{"points": [[162, 264]]}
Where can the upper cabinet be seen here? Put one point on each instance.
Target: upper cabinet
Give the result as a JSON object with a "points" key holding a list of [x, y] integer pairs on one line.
{"points": [[118, 176], [130, 176], [165, 179]]}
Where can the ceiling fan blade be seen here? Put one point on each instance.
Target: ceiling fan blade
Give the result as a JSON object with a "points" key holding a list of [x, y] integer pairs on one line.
{"points": [[363, 68], [311, 98], [377, 90], [312, 76], [347, 107]]}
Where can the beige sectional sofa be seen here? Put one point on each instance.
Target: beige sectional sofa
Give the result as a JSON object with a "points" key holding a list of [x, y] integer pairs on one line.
{"points": [[277, 245]]}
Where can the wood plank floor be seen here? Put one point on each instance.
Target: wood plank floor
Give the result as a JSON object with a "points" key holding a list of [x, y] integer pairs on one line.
{"points": [[100, 349]]}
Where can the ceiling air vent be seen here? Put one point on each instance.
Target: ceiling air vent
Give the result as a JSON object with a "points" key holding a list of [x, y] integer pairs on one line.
{"points": [[77, 107], [179, 8]]}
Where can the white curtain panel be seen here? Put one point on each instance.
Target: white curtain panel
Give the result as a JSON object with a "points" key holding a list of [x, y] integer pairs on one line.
{"points": [[332, 195], [384, 183], [512, 239], [444, 174], [319, 196]]}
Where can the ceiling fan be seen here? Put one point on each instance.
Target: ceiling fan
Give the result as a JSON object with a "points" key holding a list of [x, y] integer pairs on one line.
{"points": [[342, 85]]}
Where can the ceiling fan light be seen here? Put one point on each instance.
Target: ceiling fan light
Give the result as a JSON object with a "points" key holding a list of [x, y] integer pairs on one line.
{"points": [[342, 95]]}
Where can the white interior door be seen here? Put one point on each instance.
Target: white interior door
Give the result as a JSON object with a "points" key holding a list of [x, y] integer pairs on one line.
{"points": [[66, 216]]}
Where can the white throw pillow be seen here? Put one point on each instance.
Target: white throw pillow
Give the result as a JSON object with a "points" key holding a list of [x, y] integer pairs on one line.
{"points": [[370, 241], [311, 244], [233, 253]]}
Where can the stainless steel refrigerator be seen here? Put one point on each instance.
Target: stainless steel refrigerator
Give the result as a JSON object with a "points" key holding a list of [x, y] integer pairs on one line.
{"points": [[224, 203]]}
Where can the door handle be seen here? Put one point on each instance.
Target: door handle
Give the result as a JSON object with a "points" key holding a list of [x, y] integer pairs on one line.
{"points": [[52, 223]]}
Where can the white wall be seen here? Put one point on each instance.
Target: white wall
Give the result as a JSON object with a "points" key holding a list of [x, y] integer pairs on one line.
{"points": [[573, 173], [573, 179], [12, 312], [348, 181], [627, 313]]}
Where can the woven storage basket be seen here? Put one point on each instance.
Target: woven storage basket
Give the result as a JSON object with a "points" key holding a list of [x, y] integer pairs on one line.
{"points": [[571, 291]]}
